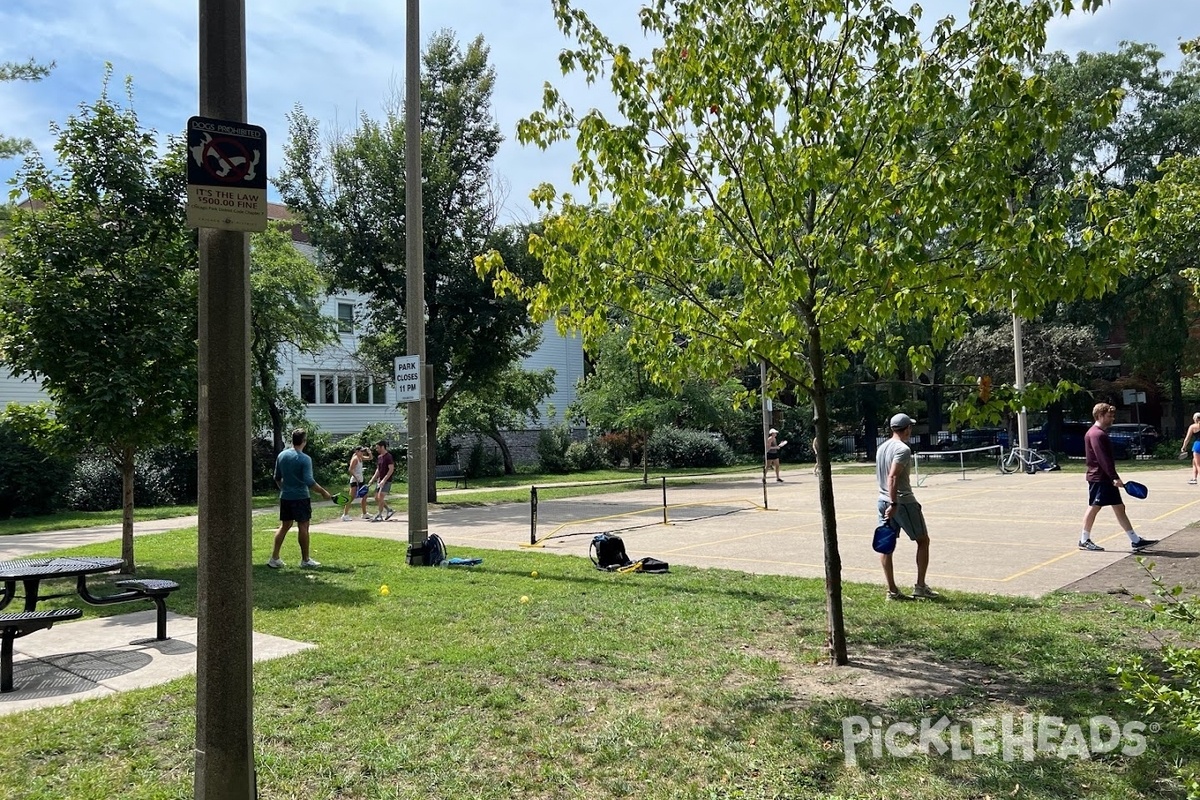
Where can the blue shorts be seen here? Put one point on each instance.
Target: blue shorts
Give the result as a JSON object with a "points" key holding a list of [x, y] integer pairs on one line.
{"points": [[1196, 446], [1103, 493], [295, 510], [908, 516]]}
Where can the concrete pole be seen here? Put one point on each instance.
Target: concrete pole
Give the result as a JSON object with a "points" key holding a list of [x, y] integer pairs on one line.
{"points": [[224, 660], [414, 267]]}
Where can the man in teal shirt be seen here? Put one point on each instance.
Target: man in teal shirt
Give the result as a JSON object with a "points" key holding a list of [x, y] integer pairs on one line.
{"points": [[294, 477]]}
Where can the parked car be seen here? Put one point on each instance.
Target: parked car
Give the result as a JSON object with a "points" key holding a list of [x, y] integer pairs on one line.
{"points": [[1145, 437], [1123, 445], [982, 437]]}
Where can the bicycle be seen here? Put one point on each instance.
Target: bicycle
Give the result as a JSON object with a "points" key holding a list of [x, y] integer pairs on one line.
{"points": [[1030, 460]]}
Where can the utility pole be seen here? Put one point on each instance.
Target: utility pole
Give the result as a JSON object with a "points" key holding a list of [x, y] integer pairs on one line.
{"points": [[414, 311], [224, 658]]}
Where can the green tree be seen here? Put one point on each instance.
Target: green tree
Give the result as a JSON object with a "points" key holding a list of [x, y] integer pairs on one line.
{"points": [[853, 175], [1158, 117], [352, 195], [509, 402], [285, 309], [15, 71], [98, 289]]}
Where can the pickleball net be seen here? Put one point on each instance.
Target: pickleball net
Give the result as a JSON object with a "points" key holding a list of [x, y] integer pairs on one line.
{"points": [[961, 464], [641, 506]]}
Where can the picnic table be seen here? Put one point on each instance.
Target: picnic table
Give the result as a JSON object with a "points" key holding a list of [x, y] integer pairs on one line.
{"points": [[32, 571]]}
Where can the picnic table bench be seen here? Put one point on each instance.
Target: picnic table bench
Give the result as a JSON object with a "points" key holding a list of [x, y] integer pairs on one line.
{"points": [[30, 572], [450, 472], [23, 623]]}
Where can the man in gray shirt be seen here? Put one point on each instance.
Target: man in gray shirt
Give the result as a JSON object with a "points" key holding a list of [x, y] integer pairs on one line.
{"points": [[898, 505]]}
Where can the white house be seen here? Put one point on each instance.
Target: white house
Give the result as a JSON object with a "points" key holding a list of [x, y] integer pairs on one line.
{"points": [[341, 398]]}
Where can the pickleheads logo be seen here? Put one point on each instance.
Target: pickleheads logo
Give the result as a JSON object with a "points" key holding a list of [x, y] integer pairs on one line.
{"points": [[1010, 736]]}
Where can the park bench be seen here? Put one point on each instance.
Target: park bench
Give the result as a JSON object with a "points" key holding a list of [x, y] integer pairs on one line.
{"points": [[14, 626], [450, 472], [155, 590]]}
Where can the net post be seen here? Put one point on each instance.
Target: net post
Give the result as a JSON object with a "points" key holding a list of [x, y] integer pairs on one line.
{"points": [[664, 487], [532, 515]]}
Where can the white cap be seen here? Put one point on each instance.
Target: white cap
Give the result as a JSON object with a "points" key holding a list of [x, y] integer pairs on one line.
{"points": [[901, 421], [772, 431]]}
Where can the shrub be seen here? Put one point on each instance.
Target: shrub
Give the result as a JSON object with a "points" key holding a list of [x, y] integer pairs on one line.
{"points": [[483, 461], [552, 447], [162, 476], [586, 455], [33, 460], [621, 447], [672, 447]]}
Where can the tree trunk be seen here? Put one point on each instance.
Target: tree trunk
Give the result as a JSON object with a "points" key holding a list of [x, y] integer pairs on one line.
{"points": [[1178, 415], [276, 426], [509, 467], [833, 560], [431, 417], [127, 509], [645, 457]]}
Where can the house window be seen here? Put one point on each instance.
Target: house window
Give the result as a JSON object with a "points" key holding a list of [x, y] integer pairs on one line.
{"points": [[345, 320], [341, 388]]}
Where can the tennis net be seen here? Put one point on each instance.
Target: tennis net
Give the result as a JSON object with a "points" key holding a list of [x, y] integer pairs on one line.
{"points": [[960, 462]]}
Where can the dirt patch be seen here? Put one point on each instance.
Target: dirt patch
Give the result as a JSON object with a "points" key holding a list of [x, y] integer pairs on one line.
{"points": [[875, 676]]}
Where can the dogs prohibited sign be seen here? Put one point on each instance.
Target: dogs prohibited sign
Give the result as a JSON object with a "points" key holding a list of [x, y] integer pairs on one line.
{"points": [[408, 379], [226, 175]]}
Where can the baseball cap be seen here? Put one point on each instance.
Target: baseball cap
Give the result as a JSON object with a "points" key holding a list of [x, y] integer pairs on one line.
{"points": [[901, 421], [772, 431]]}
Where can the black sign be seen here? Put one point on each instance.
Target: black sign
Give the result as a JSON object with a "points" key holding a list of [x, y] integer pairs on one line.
{"points": [[227, 154]]}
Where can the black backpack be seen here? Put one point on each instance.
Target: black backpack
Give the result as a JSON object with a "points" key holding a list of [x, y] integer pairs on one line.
{"points": [[608, 552], [435, 550]]}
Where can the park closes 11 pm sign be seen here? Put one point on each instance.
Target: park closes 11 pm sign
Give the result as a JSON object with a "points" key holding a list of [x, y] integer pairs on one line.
{"points": [[408, 379], [226, 175]]}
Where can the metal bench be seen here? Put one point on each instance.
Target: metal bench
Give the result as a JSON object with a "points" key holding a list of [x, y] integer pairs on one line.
{"points": [[14, 626], [154, 589], [450, 472]]}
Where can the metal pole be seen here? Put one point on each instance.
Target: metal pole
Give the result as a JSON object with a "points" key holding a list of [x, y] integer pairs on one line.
{"points": [[1019, 378], [224, 657], [532, 515], [664, 484], [766, 422], [414, 267]]}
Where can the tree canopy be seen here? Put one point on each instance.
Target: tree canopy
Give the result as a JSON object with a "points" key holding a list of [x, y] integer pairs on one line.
{"points": [[20, 71], [797, 199], [98, 289], [351, 195]]}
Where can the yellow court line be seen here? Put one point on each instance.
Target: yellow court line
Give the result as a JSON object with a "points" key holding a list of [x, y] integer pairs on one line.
{"points": [[1175, 511]]}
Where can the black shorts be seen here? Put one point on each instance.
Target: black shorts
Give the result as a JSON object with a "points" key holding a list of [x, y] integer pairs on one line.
{"points": [[1103, 493], [295, 510]]}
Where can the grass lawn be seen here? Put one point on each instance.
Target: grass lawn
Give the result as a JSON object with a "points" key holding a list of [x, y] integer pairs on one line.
{"points": [[696, 684]]}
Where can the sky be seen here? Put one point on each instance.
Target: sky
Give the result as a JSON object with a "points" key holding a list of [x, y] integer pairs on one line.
{"points": [[340, 58]]}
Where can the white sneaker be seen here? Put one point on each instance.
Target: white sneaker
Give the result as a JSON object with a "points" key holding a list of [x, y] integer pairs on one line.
{"points": [[376, 518], [309, 563], [924, 592], [389, 513], [367, 517], [345, 517], [275, 563]]}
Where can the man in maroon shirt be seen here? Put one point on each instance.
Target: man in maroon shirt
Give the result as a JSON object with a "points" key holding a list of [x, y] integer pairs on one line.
{"points": [[385, 468], [1104, 484]]}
